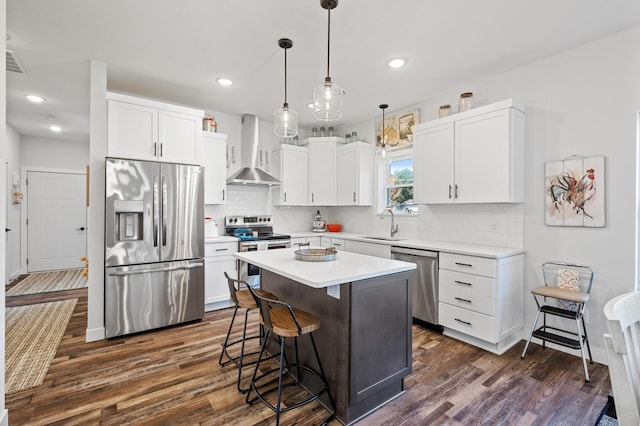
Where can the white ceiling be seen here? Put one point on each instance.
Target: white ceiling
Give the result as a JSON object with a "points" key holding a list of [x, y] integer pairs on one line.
{"points": [[174, 50]]}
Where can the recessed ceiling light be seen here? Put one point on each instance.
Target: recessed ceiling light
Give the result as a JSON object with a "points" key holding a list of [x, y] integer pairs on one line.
{"points": [[396, 63], [34, 98], [224, 82], [55, 128]]}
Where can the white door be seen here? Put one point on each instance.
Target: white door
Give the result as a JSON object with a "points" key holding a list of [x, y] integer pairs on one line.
{"points": [[56, 220]]}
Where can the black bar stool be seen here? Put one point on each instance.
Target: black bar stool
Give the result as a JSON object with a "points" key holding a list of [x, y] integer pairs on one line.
{"points": [[284, 322], [242, 299]]}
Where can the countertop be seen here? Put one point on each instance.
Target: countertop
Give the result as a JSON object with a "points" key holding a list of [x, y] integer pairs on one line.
{"points": [[221, 239], [347, 267], [494, 252]]}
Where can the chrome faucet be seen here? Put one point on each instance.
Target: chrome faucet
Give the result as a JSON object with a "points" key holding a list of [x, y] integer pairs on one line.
{"points": [[394, 227]]}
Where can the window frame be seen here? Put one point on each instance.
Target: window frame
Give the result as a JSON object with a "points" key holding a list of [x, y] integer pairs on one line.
{"points": [[383, 179]]}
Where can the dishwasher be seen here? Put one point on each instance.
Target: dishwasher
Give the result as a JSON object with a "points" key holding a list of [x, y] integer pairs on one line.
{"points": [[424, 291]]}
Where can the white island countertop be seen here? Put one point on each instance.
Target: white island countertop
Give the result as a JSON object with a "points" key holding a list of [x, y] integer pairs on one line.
{"points": [[347, 267]]}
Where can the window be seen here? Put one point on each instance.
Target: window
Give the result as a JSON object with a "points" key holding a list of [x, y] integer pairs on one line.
{"points": [[398, 183]]}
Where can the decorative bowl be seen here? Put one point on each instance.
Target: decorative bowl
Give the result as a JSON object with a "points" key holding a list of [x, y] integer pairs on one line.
{"points": [[334, 227]]}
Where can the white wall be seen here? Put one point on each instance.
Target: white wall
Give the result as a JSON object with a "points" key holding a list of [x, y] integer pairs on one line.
{"points": [[13, 210], [54, 153]]}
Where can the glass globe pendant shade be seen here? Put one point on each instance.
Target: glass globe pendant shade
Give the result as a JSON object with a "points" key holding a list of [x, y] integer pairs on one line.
{"points": [[327, 101], [285, 122]]}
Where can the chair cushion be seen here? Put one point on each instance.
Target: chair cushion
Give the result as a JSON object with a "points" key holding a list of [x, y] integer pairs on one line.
{"points": [[561, 293]]}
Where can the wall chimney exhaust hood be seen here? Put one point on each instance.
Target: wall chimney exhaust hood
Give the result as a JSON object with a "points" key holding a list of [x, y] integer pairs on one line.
{"points": [[249, 173]]}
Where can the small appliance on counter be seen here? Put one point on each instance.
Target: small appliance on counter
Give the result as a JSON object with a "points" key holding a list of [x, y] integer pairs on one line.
{"points": [[319, 225], [210, 228]]}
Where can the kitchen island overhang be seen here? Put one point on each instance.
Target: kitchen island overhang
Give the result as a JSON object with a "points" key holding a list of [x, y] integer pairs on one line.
{"points": [[364, 306]]}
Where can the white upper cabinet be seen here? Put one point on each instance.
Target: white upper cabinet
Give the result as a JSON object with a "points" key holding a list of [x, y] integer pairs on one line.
{"points": [[214, 159], [290, 165], [144, 129], [472, 157], [323, 171], [355, 174]]}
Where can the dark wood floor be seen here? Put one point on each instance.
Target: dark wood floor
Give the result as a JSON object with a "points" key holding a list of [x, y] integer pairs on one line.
{"points": [[172, 377]]}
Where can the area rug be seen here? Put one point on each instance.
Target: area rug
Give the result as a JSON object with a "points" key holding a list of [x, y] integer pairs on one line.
{"points": [[608, 415], [32, 336], [43, 282]]}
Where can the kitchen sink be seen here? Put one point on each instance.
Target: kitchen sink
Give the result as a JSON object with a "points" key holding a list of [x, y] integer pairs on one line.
{"points": [[372, 237]]}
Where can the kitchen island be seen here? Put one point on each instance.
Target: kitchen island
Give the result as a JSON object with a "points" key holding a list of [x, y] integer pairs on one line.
{"points": [[364, 306]]}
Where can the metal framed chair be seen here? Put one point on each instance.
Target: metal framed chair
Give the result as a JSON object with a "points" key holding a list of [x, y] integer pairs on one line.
{"points": [[283, 321], [243, 299], [565, 293], [623, 352]]}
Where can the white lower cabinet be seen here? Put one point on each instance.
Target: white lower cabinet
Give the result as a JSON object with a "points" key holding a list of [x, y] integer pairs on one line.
{"points": [[337, 243], [480, 299], [218, 260], [313, 241], [372, 249]]}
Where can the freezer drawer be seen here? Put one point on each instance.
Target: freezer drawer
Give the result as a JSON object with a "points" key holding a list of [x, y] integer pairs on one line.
{"points": [[145, 297]]}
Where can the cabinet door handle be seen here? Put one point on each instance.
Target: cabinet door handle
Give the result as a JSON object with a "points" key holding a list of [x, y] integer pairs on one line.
{"points": [[449, 191], [312, 197], [354, 197], [222, 249], [463, 322], [161, 149], [285, 197], [155, 149], [468, 265], [455, 191], [223, 195], [462, 300], [462, 282]]}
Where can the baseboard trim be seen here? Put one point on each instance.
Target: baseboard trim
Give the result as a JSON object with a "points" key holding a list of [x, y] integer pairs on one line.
{"points": [[95, 334]]}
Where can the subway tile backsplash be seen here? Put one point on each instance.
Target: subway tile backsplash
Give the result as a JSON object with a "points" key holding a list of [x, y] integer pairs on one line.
{"points": [[485, 224]]}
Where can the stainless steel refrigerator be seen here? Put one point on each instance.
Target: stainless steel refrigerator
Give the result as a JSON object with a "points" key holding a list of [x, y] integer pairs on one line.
{"points": [[154, 245]]}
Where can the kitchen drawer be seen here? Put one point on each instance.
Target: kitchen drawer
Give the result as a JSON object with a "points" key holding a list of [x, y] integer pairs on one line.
{"points": [[467, 291], [220, 249], [468, 322], [468, 264]]}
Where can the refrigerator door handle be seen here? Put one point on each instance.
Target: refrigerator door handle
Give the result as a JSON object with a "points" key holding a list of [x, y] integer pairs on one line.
{"points": [[155, 211], [146, 271], [164, 210]]}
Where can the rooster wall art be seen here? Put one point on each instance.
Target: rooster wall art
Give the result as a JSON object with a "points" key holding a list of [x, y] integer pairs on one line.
{"points": [[575, 192]]}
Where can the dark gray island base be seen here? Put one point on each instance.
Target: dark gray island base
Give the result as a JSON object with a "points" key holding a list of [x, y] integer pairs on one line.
{"points": [[364, 338]]}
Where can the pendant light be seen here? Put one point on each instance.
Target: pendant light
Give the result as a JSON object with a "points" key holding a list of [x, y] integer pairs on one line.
{"points": [[285, 119], [327, 98], [383, 138]]}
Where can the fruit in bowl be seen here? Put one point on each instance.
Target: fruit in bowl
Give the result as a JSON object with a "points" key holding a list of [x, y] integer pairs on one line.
{"points": [[334, 227]]}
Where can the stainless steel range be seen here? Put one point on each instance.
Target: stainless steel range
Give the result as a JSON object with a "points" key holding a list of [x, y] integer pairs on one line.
{"points": [[255, 233]]}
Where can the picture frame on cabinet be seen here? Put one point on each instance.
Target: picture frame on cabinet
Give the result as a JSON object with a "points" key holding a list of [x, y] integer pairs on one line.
{"points": [[575, 192], [397, 129]]}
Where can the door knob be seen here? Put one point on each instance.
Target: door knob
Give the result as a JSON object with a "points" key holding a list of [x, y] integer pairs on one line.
{"points": [[7, 229], [80, 229]]}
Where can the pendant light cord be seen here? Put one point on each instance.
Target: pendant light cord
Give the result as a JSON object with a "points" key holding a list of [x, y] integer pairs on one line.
{"points": [[328, 38], [285, 77]]}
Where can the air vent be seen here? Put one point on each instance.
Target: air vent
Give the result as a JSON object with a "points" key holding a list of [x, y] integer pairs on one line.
{"points": [[13, 64]]}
